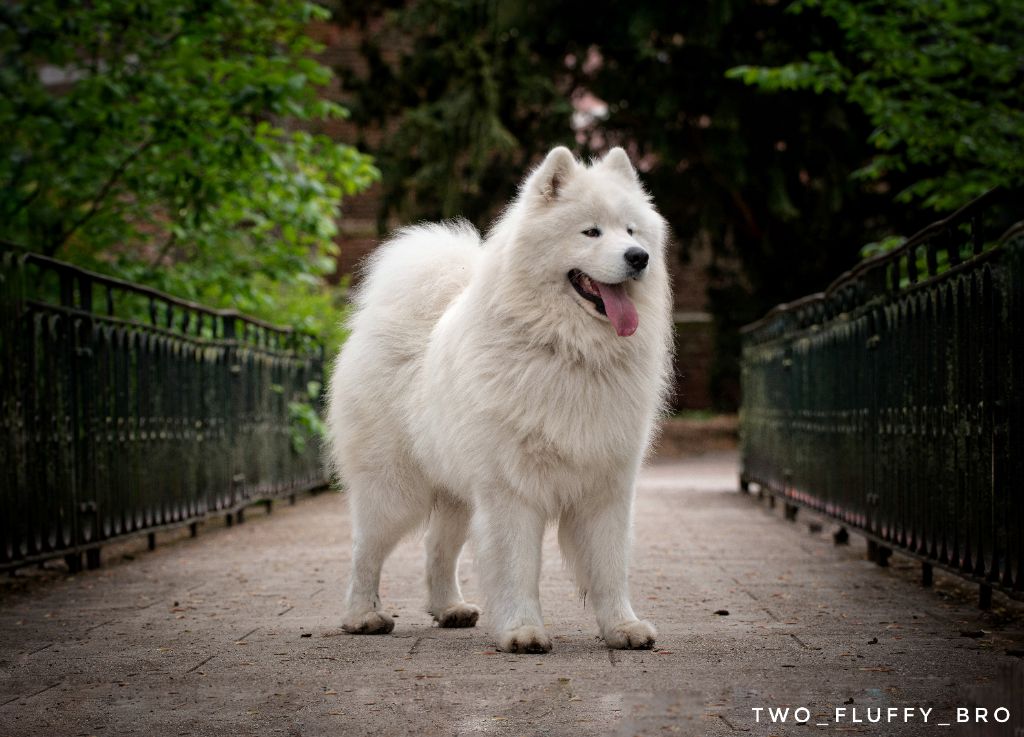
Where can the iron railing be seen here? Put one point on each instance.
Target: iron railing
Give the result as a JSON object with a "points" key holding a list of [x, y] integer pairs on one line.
{"points": [[892, 402], [126, 410]]}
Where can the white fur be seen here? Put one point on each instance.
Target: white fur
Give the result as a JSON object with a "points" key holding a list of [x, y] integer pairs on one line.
{"points": [[477, 387]]}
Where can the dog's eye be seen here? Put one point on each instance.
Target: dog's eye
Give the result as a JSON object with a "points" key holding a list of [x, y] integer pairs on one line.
{"points": [[592, 232], [629, 230]]}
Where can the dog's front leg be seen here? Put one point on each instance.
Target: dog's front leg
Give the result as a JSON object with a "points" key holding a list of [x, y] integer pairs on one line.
{"points": [[595, 540], [509, 535]]}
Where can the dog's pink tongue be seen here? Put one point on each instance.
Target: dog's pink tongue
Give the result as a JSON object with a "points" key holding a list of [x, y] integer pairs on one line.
{"points": [[620, 310]]}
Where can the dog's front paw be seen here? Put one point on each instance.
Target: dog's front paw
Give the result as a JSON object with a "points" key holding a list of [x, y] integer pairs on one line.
{"points": [[525, 639], [458, 615], [635, 635], [369, 623]]}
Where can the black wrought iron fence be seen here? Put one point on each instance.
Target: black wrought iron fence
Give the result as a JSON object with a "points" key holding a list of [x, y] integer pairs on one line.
{"points": [[126, 410], [894, 401]]}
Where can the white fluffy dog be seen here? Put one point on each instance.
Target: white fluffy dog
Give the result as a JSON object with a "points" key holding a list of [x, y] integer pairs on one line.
{"points": [[504, 384]]}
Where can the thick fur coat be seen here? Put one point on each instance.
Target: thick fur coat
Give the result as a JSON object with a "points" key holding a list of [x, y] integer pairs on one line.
{"points": [[493, 387]]}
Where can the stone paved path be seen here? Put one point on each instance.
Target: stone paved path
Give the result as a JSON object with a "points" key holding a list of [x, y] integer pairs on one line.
{"points": [[234, 634]]}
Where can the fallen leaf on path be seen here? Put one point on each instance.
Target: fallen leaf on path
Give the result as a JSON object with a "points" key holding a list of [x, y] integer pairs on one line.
{"points": [[973, 634]]}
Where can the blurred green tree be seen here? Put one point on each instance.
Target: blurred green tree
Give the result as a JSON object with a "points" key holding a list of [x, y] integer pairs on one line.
{"points": [[158, 141], [466, 97], [941, 82]]}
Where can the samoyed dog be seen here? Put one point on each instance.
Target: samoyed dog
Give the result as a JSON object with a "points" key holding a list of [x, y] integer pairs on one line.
{"points": [[493, 386]]}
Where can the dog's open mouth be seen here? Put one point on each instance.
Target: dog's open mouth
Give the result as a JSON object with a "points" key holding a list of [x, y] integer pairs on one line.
{"points": [[609, 300]]}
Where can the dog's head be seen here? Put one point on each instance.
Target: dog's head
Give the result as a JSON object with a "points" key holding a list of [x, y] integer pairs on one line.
{"points": [[590, 238]]}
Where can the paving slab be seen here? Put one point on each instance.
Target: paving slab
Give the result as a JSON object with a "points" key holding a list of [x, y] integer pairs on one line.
{"points": [[236, 633]]}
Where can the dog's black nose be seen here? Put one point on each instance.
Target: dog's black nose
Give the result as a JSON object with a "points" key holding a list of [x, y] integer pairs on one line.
{"points": [[636, 258]]}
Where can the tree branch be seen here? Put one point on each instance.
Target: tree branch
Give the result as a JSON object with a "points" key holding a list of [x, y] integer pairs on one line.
{"points": [[25, 201], [116, 175], [163, 251]]}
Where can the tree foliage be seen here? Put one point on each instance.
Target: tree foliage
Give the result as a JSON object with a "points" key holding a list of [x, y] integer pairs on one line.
{"points": [[157, 140], [942, 83], [466, 98], [764, 179]]}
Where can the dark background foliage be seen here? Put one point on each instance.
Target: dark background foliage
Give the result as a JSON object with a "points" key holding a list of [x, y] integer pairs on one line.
{"points": [[479, 90]]}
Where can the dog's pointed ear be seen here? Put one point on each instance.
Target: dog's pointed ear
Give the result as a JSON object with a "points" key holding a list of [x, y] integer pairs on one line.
{"points": [[618, 160], [556, 169]]}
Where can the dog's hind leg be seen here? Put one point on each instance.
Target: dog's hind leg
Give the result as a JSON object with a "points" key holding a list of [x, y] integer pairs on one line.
{"points": [[380, 518], [449, 526]]}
